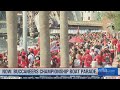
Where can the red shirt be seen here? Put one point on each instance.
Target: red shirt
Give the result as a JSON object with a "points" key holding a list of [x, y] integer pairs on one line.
{"points": [[114, 41], [24, 53], [23, 64], [83, 58], [105, 42], [88, 60], [27, 61], [118, 47], [112, 51], [107, 55], [19, 60], [99, 59], [35, 51], [1, 56], [37, 61], [58, 59]]}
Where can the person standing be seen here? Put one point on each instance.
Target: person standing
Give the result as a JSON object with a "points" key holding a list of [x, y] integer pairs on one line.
{"points": [[118, 47], [35, 51], [88, 60], [31, 58], [118, 61], [92, 53], [23, 63], [108, 65]]}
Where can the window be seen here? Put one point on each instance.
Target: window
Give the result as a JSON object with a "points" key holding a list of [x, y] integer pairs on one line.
{"points": [[88, 18]]}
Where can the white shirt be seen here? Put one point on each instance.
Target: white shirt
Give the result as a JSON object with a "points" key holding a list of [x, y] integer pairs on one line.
{"points": [[108, 66], [76, 62], [92, 54], [86, 45], [94, 64], [31, 57]]}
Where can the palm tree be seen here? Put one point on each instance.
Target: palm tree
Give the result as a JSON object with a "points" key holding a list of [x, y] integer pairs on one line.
{"points": [[64, 49], [44, 39], [11, 18]]}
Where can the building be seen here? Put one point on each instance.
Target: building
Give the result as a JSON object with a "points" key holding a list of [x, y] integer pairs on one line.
{"points": [[83, 19], [88, 21], [83, 15]]}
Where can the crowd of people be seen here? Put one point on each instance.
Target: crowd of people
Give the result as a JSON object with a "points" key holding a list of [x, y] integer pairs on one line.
{"points": [[95, 50]]}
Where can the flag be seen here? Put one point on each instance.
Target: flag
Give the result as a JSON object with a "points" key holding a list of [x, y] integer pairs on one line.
{"points": [[55, 48]]}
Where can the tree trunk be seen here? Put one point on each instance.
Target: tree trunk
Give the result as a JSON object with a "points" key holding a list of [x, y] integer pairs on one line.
{"points": [[11, 18], [44, 39], [25, 30], [64, 48]]}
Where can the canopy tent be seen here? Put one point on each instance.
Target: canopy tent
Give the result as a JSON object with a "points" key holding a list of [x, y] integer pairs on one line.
{"points": [[76, 40]]}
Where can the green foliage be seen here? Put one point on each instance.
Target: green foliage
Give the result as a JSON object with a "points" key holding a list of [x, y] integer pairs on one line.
{"points": [[98, 16], [115, 17], [117, 22]]}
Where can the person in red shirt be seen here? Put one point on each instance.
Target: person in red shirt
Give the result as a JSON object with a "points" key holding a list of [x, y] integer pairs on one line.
{"points": [[37, 47], [99, 58], [23, 52], [107, 57], [4, 57], [118, 47], [55, 60], [37, 62], [23, 63], [18, 53], [1, 56], [27, 61], [88, 60], [114, 41], [35, 51]]}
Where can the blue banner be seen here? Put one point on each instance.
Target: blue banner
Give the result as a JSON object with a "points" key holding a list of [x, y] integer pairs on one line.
{"points": [[107, 71]]}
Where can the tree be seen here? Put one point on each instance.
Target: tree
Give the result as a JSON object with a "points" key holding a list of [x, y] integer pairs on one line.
{"points": [[114, 16]]}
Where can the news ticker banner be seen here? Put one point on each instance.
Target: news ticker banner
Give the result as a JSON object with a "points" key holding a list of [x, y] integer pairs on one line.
{"points": [[59, 71]]}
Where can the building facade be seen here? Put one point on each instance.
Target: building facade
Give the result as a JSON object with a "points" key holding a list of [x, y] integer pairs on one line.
{"points": [[84, 15]]}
